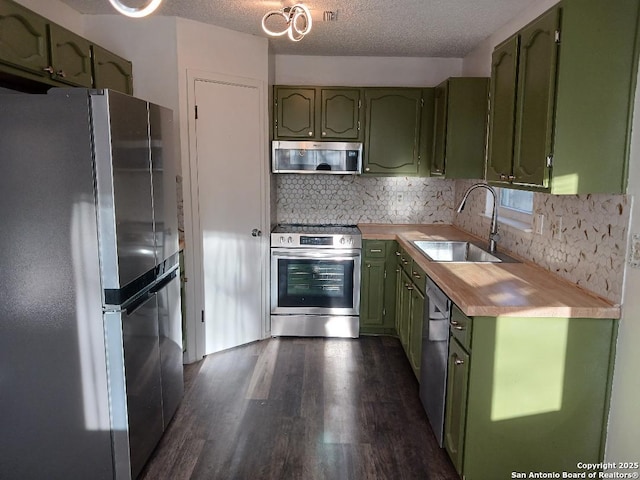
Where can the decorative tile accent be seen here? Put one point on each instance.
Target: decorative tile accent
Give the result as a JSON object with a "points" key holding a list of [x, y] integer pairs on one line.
{"points": [[351, 199], [588, 248]]}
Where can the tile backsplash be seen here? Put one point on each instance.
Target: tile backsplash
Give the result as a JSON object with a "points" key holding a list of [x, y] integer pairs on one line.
{"points": [[583, 236], [589, 249], [351, 199]]}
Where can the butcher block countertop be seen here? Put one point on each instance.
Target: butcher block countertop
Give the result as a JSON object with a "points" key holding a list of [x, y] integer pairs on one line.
{"points": [[495, 289]]}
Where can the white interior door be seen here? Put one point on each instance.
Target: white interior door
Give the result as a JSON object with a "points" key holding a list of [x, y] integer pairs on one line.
{"points": [[230, 198]]}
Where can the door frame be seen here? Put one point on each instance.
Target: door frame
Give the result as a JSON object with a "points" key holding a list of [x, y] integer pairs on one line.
{"points": [[195, 328]]}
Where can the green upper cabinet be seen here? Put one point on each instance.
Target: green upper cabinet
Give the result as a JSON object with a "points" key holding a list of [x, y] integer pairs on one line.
{"points": [[295, 112], [35, 51], [111, 71], [566, 137], [23, 40], [70, 57], [394, 141], [460, 122], [504, 71], [340, 113], [524, 76], [317, 113]]}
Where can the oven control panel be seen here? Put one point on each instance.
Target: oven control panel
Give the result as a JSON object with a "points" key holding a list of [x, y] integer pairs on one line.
{"points": [[315, 241]]}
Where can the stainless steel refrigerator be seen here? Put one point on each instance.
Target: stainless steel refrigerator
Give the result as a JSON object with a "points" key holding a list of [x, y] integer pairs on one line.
{"points": [[90, 317]]}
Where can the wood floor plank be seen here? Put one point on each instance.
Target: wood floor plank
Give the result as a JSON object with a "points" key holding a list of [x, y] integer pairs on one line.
{"points": [[301, 408]]}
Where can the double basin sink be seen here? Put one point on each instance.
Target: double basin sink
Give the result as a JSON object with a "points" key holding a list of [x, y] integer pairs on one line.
{"points": [[450, 251]]}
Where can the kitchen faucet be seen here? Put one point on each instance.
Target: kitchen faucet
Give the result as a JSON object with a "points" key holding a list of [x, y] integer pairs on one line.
{"points": [[493, 234]]}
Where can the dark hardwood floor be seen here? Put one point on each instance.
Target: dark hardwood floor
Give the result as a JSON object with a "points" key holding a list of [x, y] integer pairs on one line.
{"points": [[301, 408]]}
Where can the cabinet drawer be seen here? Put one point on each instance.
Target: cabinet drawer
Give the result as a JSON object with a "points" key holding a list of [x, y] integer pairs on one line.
{"points": [[374, 248], [461, 327], [405, 260], [418, 276]]}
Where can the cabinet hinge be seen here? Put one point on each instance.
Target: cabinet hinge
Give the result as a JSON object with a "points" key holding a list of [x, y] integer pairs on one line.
{"points": [[358, 125], [359, 104], [549, 161], [385, 273], [196, 112], [384, 312], [202, 316], [422, 102], [557, 36]]}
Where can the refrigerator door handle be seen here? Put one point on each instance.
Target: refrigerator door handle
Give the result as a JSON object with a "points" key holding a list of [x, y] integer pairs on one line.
{"points": [[164, 282], [138, 302]]}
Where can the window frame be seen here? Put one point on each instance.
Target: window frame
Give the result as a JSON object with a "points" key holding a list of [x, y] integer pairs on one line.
{"points": [[511, 216]]}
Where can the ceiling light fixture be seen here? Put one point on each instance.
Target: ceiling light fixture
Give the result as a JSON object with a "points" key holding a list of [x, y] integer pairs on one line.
{"points": [[297, 18], [136, 12]]}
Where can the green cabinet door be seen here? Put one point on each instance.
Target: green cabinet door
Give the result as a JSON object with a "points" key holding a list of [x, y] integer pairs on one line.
{"points": [[440, 130], [535, 100], [378, 287], [392, 131], [70, 57], [372, 293], [405, 310], [460, 128], [23, 39], [111, 71], [340, 113], [295, 112], [415, 330], [456, 404], [504, 68]]}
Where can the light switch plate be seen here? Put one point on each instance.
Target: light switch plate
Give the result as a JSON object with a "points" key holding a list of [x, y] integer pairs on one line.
{"points": [[539, 223], [634, 257]]}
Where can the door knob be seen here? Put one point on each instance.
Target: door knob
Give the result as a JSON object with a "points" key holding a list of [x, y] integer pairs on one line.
{"points": [[256, 233]]}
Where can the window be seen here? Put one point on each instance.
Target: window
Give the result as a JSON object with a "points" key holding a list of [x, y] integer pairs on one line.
{"points": [[515, 207]]}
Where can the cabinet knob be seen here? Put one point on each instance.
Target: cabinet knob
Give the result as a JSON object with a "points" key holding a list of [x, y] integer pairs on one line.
{"points": [[311, 134], [458, 327], [503, 176], [408, 286], [324, 134], [368, 265], [61, 74], [511, 178], [48, 69], [457, 361], [367, 169], [397, 254], [416, 275]]}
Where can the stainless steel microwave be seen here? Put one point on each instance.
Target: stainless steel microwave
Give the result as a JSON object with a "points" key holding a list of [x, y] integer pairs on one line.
{"points": [[338, 158]]}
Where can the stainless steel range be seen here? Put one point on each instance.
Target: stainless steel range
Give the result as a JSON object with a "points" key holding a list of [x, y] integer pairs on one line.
{"points": [[315, 280]]}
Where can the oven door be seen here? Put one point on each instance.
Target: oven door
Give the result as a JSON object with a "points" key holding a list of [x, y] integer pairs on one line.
{"points": [[315, 281]]}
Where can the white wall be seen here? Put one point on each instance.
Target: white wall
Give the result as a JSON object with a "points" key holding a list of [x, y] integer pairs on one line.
{"points": [[365, 71]]}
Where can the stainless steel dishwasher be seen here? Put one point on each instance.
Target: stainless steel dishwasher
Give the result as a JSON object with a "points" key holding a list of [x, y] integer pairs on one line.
{"points": [[433, 364]]}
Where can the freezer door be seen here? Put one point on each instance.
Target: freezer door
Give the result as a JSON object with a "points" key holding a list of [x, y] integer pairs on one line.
{"points": [[123, 171], [164, 175], [170, 322]]}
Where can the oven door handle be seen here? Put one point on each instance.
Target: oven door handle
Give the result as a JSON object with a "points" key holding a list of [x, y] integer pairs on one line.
{"points": [[315, 254]]}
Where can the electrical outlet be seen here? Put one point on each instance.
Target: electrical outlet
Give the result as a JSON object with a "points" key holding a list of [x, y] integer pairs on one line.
{"points": [[538, 221], [400, 197]]}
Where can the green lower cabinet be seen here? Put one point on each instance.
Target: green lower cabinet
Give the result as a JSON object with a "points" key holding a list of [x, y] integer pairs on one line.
{"points": [[415, 329], [456, 406], [533, 396], [404, 301], [377, 292]]}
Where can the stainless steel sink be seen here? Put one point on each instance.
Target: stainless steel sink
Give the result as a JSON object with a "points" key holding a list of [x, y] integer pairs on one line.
{"points": [[455, 252]]}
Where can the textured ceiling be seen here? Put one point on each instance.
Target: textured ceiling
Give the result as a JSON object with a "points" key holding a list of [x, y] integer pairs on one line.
{"points": [[402, 28]]}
